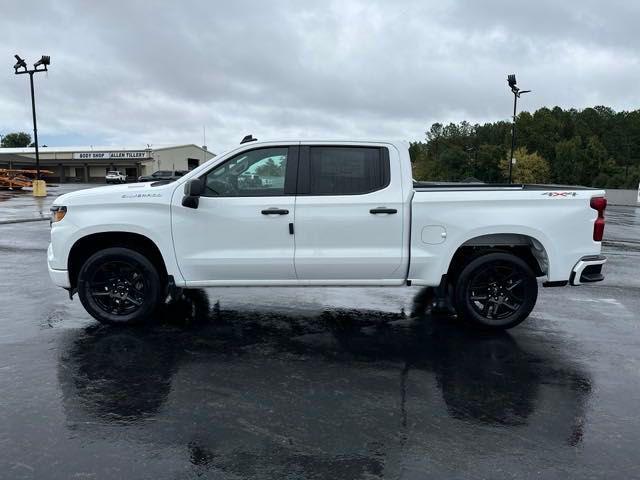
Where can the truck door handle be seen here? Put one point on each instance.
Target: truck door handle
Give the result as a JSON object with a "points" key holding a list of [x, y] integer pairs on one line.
{"points": [[275, 211], [383, 210]]}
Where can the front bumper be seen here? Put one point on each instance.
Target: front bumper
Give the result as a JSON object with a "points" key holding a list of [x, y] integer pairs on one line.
{"points": [[58, 277], [588, 270]]}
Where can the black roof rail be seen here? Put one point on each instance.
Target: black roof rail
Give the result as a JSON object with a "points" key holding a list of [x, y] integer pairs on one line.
{"points": [[248, 138]]}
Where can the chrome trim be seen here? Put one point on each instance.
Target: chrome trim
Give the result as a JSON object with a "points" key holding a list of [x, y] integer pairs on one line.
{"points": [[583, 263]]}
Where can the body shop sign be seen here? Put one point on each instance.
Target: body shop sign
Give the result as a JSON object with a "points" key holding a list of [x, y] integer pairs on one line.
{"points": [[109, 155]]}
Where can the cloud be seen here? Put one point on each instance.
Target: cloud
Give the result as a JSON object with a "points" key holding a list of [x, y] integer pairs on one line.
{"points": [[157, 72]]}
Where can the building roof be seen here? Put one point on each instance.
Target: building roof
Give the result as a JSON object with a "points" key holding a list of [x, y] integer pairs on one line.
{"points": [[94, 148]]}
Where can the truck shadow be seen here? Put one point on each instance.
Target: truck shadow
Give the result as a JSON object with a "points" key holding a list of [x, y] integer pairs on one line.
{"points": [[276, 372]]}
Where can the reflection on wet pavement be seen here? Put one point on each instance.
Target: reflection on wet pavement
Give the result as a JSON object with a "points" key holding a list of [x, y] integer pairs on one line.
{"points": [[252, 393]]}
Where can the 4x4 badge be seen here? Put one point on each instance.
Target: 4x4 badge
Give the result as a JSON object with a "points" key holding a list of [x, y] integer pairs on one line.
{"points": [[560, 194]]}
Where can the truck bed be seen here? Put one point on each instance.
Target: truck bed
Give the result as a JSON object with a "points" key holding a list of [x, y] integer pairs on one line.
{"points": [[555, 220]]}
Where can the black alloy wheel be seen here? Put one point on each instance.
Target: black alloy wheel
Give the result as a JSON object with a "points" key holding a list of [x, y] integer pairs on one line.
{"points": [[496, 290], [119, 286]]}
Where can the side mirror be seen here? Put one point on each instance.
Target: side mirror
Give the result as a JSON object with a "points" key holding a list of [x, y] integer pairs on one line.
{"points": [[193, 189]]}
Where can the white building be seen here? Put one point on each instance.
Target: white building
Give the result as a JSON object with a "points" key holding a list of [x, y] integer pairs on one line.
{"points": [[90, 164]]}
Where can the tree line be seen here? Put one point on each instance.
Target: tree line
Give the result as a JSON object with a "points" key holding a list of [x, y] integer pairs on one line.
{"points": [[595, 147]]}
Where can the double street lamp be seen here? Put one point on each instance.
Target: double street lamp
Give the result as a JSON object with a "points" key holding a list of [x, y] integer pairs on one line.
{"points": [[20, 69], [511, 80]]}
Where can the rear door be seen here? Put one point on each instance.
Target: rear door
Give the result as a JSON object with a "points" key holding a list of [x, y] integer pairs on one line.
{"points": [[240, 233], [349, 215]]}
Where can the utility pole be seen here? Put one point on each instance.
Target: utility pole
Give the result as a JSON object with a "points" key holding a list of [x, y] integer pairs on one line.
{"points": [[204, 144], [39, 187], [511, 80], [1, 140]]}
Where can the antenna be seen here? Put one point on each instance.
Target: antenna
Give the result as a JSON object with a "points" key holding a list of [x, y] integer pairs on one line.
{"points": [[248, 138], [204, 143]]}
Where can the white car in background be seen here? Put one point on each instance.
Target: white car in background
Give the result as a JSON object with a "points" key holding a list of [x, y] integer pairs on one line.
{"points": [[115, 176]]}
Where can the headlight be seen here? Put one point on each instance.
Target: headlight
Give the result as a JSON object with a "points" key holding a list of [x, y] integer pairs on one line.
{"points": [[57, 213]]}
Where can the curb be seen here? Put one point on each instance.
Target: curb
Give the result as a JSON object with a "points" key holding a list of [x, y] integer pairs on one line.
{"points": [[23, 220]]}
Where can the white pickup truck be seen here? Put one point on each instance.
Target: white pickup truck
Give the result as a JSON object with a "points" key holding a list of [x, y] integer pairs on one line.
{"points": [[115, 176], [315, 213]]}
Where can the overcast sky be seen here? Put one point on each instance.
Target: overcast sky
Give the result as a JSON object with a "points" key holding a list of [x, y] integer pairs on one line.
{"points": [[138, 72]]}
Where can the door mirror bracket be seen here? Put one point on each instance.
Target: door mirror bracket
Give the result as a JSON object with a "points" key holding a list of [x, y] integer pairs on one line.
{"points": [[193, 189]]}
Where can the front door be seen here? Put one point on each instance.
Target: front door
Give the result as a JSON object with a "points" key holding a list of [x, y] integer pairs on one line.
{"points": [[240, 231], [349, 216]]}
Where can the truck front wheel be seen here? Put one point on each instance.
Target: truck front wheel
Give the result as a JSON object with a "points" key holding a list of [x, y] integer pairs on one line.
{"points": [[119, 286], [496, 291]]}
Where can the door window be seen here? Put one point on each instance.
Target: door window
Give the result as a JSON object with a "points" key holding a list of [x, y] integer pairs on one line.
{"points": [[256, 173], [346, 170]]}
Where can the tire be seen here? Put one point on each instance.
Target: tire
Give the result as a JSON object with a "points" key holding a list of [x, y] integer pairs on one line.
{"points": [[119, 286], [495, 291]]}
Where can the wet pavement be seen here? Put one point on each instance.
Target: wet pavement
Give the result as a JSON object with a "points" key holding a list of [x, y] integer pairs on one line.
{"points": [[21, 205], [310, 383]]}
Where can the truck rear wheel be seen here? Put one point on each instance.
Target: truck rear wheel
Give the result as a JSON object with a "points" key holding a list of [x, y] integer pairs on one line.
{"points": [[119, 286], [496, 291]]}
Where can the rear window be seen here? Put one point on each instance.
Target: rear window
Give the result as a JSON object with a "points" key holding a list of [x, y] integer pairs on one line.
{"points": [[347, 170]]}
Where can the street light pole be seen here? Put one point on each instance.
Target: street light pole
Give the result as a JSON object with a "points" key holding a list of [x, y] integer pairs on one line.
{"points": [[511, 80], [21, 68], [35, 126], [513, 135]]}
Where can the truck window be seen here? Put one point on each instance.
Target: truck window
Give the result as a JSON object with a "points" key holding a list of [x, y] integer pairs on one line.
{"points": [[255, 173], [346, 170]]}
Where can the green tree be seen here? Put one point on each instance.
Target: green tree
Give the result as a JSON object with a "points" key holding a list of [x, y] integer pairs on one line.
{"points": [[529, 167], [486, 166], [544, 134], [16, 140], [565, 165], [422, 166], [454, 163], [592, 162], [596, 146]]}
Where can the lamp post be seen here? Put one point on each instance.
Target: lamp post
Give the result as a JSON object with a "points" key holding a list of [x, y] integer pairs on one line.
{"points": [[511, 80], [39, 187]]}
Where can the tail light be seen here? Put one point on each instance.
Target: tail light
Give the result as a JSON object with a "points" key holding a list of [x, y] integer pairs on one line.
{"points": [[599, 204]]}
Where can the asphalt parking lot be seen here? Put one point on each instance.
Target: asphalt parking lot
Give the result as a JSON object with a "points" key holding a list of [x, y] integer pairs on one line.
{"points": [[318, 383]]}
